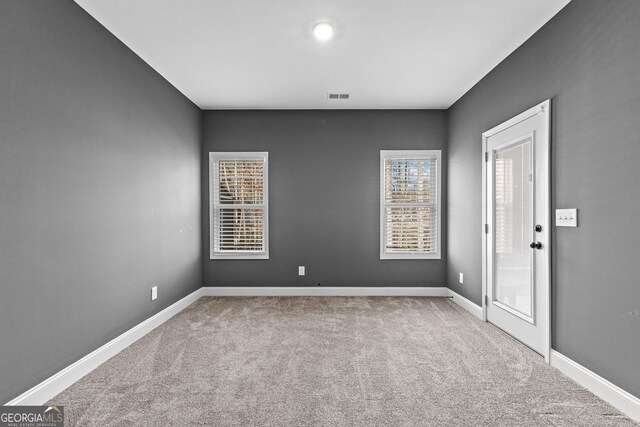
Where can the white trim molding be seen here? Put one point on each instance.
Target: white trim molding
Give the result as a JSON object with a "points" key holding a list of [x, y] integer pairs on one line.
{"points": [[622, 400], [468, 305], [57, 383], [258, 291]]}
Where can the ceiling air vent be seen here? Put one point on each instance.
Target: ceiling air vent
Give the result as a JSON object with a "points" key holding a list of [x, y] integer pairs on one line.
{"points": [[333, 96]]}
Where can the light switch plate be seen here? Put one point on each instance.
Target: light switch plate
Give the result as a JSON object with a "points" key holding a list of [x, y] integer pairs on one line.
{"points": [[301, 271], [566, 217]]}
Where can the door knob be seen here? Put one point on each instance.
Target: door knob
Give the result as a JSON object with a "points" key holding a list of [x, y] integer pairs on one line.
{"points": [[535, 245]]}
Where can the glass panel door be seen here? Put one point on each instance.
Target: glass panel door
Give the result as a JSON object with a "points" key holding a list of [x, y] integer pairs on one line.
{"points": [[513, 202]]}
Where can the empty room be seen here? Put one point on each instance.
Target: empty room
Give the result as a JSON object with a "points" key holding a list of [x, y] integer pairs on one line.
{"points": [[319, 213]]}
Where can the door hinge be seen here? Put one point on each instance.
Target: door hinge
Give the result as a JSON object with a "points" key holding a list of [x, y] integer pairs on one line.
{"points": [[486, 156], [486, 229], [486, 300]]}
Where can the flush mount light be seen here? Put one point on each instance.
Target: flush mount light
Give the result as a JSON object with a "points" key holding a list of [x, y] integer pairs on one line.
{"points": [[323, 31]]}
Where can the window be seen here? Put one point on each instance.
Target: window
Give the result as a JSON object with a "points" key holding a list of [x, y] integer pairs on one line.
{"points": [[410, 204], [238, 205]]}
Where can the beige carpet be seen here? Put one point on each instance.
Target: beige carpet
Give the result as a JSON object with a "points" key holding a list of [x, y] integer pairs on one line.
{"points": [[330, 361]]}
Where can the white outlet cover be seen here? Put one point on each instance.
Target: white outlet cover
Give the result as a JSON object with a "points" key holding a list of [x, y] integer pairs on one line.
{"points": [[301, 270], [154, 293], [461, 278]]}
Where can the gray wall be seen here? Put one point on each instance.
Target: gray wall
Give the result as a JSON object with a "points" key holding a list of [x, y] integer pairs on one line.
{"points": [[99, 190], [324, 194], [587, 59]]}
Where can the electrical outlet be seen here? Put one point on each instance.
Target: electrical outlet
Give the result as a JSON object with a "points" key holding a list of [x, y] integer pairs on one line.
{"points": [[154, 293], [461, 278], [301, 270]]}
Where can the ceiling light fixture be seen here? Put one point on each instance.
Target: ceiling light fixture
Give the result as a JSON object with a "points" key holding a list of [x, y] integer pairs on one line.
{"points": [[323, 31]]}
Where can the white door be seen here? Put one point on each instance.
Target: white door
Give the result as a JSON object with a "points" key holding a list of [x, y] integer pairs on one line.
{"points": [[517, 230]]}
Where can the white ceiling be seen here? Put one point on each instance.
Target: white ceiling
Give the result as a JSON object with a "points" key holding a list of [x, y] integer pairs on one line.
{"points": [[261, 53]]}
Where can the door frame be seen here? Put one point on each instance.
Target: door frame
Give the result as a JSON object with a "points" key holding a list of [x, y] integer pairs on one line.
{"points": [[542, 108]]}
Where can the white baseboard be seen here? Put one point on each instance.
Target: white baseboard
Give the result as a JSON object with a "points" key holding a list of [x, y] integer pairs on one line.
{"points": [[323, 291], [624, 401], [471, 307], [57, 383]]}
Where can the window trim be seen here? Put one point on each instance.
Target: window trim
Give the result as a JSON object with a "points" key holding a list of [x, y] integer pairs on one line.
{"points": [[245, 155], [411, 154]]}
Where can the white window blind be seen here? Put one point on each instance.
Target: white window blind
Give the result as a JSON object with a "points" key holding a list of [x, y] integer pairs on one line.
{"points": [[410, 204], [238, 218]]}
